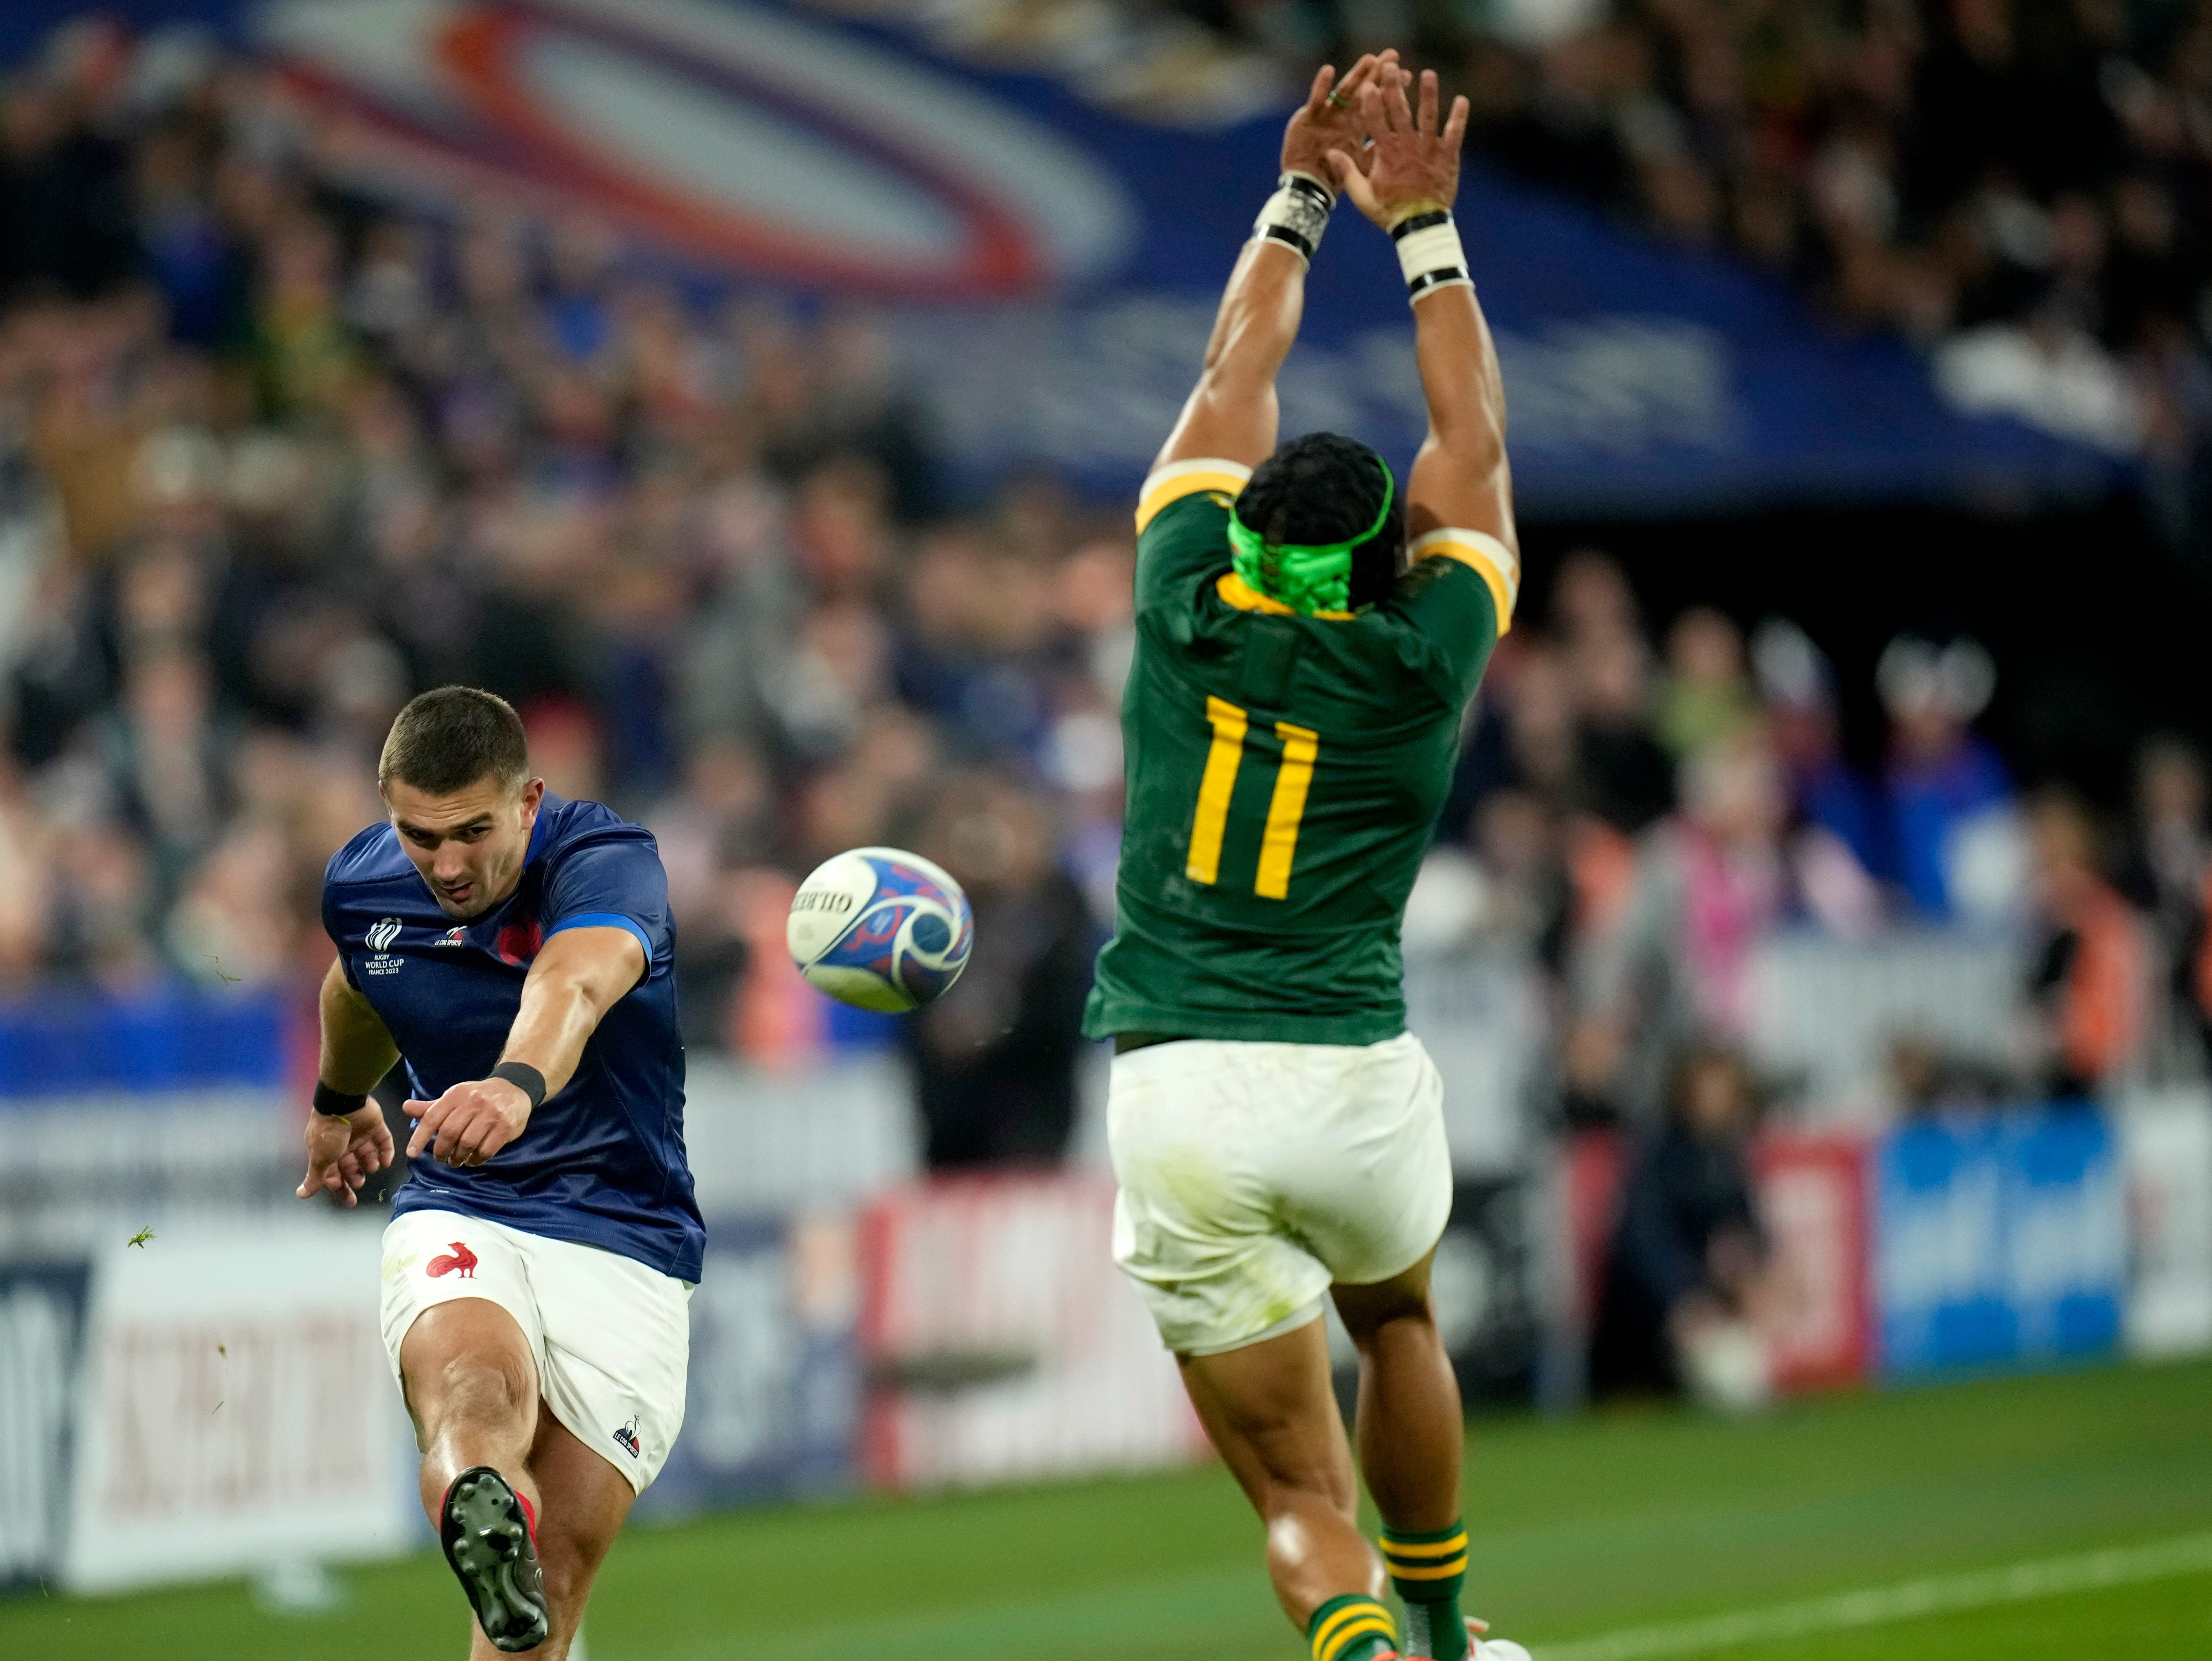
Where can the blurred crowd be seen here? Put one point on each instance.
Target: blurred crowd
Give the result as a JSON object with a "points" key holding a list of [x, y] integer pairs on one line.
{"points": [[1640, 823], [2025, 185], [274, 455]]}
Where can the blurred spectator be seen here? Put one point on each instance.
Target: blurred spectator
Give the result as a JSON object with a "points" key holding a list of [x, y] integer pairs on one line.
{"points": [[1960, 848], [994, 1058], [715, 827], [1621, 774], [2171, 844], [65, 212], [1712, 883], [2093, 971], [2166, 873], [1706, 696], [1686, 1280], [1798, 687]]}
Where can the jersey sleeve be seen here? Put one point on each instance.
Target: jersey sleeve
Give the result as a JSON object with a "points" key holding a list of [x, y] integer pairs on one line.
{"points": [[1453, 606], [1182, 526], [614, 882], [334, 920]]}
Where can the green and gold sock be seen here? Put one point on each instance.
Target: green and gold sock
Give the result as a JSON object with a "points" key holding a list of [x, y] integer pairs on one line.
{"points": [[1351, 1628], [1428, 1571]]}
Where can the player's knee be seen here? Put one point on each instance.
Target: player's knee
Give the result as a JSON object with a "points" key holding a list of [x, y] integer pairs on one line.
{"points": [[1395, 1309], [1297, 1469], [484, 1388]]}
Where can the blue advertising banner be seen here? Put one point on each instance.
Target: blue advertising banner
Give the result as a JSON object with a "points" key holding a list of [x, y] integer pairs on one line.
{"points": [[1050, 264], [1998, 1239], [69, 1043], [772, 1406]]}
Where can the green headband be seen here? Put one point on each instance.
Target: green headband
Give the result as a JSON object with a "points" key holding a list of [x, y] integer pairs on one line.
{"points": [[1306, 578]]}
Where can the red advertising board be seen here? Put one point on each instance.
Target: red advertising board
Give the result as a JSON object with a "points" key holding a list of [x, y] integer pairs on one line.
{"points": [[1813, 1202], [1001, 1342]]}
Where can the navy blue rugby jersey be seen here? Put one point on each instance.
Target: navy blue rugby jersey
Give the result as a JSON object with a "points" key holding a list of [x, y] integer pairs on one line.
{"points": [[601, 1161]]}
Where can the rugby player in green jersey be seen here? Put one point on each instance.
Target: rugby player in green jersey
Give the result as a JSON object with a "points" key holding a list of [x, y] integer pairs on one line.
{"points": [[1310, 631]]}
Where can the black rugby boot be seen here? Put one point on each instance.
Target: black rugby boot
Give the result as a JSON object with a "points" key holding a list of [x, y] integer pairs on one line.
{"points": [[487, 1540]]}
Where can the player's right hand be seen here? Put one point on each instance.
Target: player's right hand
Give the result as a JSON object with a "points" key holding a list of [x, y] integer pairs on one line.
{"points": [[344, 1153], [1411, 162], [471, 1122]]}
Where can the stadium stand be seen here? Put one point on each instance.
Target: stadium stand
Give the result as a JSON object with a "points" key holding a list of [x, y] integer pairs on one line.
{"points": [[278, 454]]}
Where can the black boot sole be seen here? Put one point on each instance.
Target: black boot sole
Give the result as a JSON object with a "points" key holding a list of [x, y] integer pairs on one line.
{"points": [[487, 1543]]}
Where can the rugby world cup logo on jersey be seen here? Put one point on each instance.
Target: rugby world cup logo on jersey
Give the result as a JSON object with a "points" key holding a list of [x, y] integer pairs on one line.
{"points": [[745, 135], [378, 940]]}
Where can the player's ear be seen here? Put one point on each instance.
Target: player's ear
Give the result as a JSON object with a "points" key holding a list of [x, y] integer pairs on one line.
{"points": [[532, 793]]}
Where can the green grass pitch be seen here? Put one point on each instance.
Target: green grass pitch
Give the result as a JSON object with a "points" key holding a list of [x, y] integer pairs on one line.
{"points": [[1581, 1528]]}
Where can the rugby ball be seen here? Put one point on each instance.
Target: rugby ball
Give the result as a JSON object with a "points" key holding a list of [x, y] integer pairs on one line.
{"points": [[880, 927]]}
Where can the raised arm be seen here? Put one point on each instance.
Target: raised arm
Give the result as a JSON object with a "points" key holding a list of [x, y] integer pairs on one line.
{"points": [[1460, 481], [578, 975], [347, 1140], [1231, 415]]}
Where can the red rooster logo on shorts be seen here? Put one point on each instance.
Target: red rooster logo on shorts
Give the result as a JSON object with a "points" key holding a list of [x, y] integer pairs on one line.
{"points": [[462, 1259]]}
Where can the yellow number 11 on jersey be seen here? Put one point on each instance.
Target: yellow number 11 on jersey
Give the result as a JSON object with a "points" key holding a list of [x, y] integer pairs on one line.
{"points": [[1280, 842]]}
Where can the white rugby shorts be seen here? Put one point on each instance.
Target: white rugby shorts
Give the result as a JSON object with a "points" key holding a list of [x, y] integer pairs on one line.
{"points": [[612, 1338], [1255, 1176]]}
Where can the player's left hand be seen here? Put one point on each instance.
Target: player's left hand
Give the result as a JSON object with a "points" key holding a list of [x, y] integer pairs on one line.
{"points": [[1413, 161], [470, 1123], [344, 1153], [1331, 119]]}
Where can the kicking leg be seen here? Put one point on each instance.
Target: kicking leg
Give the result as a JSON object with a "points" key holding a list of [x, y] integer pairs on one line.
{"points": [[1272, 1414], [471, 1387], [1411, 1432], [586, 1499]]}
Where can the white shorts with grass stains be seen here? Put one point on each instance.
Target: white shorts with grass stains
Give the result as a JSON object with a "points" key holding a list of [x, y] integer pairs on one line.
{"points": [[1255, 1176]]}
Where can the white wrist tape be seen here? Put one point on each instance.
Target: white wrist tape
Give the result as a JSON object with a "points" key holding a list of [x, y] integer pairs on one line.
{"points": [[1297, 214], [1429, 255]]}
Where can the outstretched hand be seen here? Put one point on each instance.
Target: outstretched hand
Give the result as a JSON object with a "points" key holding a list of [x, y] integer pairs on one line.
{"points": [[344, 1153], [1410, 161], [1331, 118]]}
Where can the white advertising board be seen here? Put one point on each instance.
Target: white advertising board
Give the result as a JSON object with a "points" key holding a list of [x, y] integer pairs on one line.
{"points": [[237, 1410], [2166, 1143]]}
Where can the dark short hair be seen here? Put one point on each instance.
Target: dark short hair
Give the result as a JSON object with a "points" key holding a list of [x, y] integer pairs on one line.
{"points": [[447, 740], [1322, 489]]}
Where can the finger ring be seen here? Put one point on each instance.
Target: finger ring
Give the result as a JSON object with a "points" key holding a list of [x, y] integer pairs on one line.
{"points": [[1337, 100]]}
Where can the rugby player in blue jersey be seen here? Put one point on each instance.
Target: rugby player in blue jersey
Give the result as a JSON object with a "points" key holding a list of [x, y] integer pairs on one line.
{"points": [[514, 951]]}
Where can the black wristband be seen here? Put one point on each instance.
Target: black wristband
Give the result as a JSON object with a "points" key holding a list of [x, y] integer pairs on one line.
{"points": [[1419, 221], [1428, 280], [337, 1104], [527, 1077]]}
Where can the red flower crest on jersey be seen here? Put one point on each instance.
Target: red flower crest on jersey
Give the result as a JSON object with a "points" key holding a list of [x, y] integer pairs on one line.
{"points": [[463, 1260], [519, 942]]}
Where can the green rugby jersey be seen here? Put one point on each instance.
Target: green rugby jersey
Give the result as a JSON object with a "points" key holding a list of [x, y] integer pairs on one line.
{"points": [[1283, 773]]}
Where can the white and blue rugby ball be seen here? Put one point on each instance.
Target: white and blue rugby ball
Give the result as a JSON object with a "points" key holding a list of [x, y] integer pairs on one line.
{"points": [[880, 927]]}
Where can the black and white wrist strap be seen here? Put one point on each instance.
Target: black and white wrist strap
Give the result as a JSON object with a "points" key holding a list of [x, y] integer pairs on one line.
{"points": [[1297, 214], [1429, 254]]}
